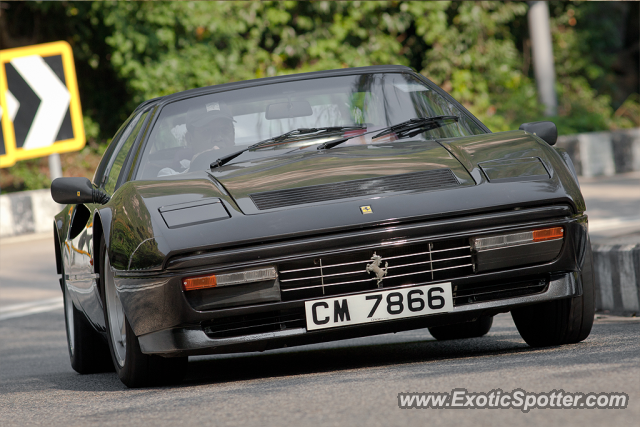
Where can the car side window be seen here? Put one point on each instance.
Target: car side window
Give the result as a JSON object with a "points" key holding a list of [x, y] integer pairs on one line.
{"points": [[122, 150], [99, 176]]}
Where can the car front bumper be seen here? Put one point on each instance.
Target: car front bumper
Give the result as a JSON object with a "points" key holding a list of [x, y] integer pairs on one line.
{"points": [[194, 341], [166, 321]]}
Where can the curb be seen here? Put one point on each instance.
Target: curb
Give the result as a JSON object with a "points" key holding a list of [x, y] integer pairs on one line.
{"points": [[617, 277], [27, 212], [603, 153]]}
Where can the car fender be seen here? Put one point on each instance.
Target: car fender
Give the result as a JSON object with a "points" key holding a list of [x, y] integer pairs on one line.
{"points": [[136, 227], [510, 145]]}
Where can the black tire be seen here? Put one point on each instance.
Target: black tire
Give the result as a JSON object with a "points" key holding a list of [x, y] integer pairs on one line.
{"points": [[88, 351], [566, 321], [134, 368], [474, 329]]}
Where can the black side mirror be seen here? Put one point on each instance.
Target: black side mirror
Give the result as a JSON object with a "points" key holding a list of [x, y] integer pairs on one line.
{"points": [[76, 190], [546, 131]]}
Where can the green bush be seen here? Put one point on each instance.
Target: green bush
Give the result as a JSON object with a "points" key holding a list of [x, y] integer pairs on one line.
{"points": [[128, 52]]}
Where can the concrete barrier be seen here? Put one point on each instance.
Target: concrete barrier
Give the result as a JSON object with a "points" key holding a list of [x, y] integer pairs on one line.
{"points": [[27, 212], [617, 276], [603, 153]]}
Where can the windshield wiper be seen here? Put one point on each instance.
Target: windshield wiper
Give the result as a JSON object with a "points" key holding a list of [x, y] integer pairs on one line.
{"points": [[416, 124], [295, 133], [408, 128]]}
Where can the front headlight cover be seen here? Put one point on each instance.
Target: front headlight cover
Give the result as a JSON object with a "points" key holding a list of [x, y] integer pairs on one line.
{"points": [[192, 213], [523, 169]]}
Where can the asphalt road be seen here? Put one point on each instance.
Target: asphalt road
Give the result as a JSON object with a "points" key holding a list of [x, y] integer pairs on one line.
{"points": [[613, 206], [27, 270], [349, 383]]}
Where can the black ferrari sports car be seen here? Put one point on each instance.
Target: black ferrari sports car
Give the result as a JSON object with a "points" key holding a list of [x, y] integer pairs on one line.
{"points": [[306, 208]]}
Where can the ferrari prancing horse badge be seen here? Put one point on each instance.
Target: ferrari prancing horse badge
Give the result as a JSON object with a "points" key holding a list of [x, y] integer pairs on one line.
{"points": [[375, 267], [366, 209]]}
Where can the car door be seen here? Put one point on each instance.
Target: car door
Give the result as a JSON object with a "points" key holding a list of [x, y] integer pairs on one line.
{"points": [[78, 250]]}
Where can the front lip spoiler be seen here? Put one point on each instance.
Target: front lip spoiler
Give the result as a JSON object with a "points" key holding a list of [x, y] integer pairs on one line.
{"points": [[187, 341]]}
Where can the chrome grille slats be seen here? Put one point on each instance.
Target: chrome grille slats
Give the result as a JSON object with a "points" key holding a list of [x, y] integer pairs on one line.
{"points": [[374, 279], [367, 261], [346, 272], [390, 267], [327, 285], [415, 181]]}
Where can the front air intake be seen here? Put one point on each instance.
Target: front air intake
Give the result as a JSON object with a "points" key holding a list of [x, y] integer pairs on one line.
{"points": [[418, 181], [344, 273]]}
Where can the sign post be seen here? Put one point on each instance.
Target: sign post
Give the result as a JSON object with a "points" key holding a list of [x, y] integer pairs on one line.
{"points": [[40, 113]]}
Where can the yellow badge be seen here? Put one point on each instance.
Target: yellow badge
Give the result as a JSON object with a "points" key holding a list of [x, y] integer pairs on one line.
{"points": [[366, 209]]}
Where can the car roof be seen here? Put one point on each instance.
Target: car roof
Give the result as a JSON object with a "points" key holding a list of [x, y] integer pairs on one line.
{"points": [[268, 80]]}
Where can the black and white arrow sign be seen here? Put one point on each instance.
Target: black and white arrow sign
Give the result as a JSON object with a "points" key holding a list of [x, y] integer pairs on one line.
{"points": [[40, 107], [12, 106], [40, 99]]}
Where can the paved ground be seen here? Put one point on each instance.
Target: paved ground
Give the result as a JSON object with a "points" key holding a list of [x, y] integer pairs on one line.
{"points": [[349, 383], [33, 255], [613, 206]]}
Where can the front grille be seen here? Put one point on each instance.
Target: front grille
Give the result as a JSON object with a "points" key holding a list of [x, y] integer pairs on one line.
{"points": [[258, 323], [421, 181], [347, 272]]}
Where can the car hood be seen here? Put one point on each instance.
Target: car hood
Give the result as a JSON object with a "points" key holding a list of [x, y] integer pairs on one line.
{"points": [[321, 174], [141, 238]]}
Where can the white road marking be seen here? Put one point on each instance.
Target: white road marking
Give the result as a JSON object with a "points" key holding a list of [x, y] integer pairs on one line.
{"points": [[54, 100], [26, 309]]}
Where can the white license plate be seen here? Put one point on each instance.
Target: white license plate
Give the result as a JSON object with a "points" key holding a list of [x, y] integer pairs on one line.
{"points": [[378, 306]]}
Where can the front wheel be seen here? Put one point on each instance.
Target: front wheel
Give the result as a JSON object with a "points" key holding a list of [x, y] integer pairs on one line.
{"points": [[88, 352], [474, 329], [566, 321], [134, 368]]}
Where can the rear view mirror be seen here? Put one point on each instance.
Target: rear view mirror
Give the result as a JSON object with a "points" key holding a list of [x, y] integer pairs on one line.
{"points": [[288, 110], [546, 131], [76, 191]]}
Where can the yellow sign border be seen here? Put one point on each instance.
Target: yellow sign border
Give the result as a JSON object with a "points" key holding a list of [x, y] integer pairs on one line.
{"points": [[76, 143], [9, 158]]}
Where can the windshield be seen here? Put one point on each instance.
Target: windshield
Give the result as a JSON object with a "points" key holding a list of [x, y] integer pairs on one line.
{"points": [[192, 133]]}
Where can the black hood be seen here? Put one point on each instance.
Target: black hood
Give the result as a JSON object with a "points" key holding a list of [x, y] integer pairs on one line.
{"points": [[322, 176]]}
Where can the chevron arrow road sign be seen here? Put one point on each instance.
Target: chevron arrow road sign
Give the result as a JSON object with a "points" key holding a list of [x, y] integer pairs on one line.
{"points": [[40, 109]]}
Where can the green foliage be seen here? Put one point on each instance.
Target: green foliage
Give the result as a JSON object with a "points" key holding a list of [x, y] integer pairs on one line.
{"points": [[469, 48], [127, 52], [25, 175], [585, 37]]}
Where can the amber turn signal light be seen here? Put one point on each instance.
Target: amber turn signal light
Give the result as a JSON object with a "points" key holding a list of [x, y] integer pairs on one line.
{"points": [[515, 239], [228, 279], [202, 282], [548, 234]]}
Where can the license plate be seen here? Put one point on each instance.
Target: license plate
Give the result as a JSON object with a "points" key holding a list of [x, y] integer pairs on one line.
{"points": [[378, 306]]}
